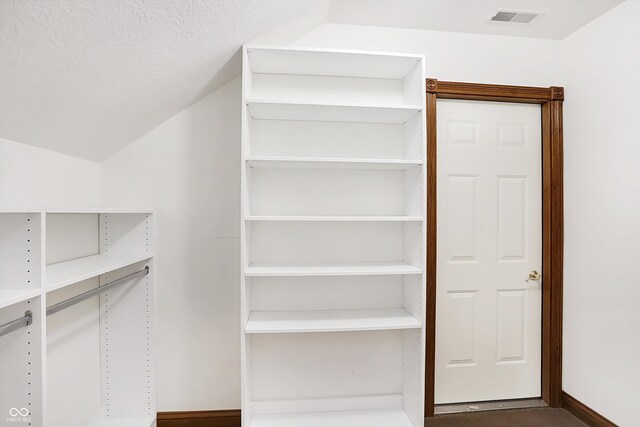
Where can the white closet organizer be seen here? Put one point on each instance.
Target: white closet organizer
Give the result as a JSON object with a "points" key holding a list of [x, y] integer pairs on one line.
{"points": [[333, 238], [21, 317], [88, 351]]}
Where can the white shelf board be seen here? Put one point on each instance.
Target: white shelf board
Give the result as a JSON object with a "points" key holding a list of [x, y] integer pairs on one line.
{"points": [[330, 163], [266, 322], [13, 296], [361, 418], [279, 110], [18, 209], [67, 273], [331, 269], [65, 210], [330, 62], [325, 218], [100, 420]]}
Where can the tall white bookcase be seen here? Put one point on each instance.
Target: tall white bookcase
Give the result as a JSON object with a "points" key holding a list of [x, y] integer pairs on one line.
{"points": [[333, 238], [87, 362]]}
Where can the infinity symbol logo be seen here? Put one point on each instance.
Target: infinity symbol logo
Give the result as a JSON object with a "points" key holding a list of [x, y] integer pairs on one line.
{"points": [[14, 412]]}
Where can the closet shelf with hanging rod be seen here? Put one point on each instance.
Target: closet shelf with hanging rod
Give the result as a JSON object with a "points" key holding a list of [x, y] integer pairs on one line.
{"points": [[100, 259], [83, 296], [67, 273]]}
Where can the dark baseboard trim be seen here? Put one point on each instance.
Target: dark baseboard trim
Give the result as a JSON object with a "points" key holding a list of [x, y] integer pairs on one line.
{"points": [[584, 413], [221, 418], [231, 417]]}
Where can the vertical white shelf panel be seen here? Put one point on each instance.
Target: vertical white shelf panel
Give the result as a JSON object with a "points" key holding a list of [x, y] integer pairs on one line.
{"points": [[22, 355], [114, 381], [21, 365], [333, 238]]}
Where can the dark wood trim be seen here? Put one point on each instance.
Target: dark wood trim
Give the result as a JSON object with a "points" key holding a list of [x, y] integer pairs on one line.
{"points": [[430, 318], [219, 418], [551, 99], [553, 269], [584, 413], [487, 92]]}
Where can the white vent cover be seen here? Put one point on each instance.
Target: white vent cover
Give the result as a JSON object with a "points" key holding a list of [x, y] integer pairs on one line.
{"points": [[520, 16]]}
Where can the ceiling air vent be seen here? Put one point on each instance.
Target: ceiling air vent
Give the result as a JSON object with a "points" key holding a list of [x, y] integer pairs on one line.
{"points": [[514, 16]]}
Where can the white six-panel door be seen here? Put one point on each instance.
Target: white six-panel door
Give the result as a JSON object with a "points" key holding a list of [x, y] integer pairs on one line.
{"points": [[488, 318]]}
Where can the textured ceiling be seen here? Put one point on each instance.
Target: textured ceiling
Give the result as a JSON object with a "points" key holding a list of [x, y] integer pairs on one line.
{"points": [[87, 77], [560, 17]]}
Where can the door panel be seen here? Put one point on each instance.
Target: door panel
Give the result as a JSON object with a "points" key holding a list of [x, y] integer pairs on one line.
{"points": [[488, 320]]}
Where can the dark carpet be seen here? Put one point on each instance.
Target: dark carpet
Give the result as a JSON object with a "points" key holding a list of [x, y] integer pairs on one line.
{"points": [[534, 417]]}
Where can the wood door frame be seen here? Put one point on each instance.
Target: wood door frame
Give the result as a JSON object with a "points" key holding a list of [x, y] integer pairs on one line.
{"points": [[550, 98]]}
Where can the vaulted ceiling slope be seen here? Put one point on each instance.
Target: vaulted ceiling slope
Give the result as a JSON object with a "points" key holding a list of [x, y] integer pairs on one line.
{"points": [[88, 77]]}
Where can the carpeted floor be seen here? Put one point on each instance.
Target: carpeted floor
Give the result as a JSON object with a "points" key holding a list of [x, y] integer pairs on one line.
{"points": [[534, 417]]}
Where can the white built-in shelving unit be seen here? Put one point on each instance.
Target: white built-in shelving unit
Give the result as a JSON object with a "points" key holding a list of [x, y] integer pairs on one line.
{"points": [[53, 255], [22, 345], [333, 238]]}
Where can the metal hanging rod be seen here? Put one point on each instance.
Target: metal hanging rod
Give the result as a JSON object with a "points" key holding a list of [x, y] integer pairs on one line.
{"points": [[25, 320], [83, 296]]}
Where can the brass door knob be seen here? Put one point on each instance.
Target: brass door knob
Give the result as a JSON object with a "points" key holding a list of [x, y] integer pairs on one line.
{"points": [[534, 275]]}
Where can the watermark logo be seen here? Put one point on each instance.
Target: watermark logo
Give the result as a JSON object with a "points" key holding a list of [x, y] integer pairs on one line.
{"points": [[17, 415]]}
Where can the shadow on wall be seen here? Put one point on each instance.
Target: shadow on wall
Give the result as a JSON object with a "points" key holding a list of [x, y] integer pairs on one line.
{"points": [[230, 70]]}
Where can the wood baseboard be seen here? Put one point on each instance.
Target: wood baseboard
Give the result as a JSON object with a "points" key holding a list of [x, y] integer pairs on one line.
{"points": [[222, 418], [231, 417], [584, 413]]}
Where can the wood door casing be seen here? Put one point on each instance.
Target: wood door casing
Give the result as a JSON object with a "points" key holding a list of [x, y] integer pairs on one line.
{"points": [[552, 227]]}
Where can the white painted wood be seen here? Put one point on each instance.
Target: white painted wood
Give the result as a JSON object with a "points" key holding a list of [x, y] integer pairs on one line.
{"points": [[265, 322], [330, 163], [332, 269], [98, 210], [368, 418], [21, 367], [126, 345], [327, 89], [361, 113], [311, 242], [364, 402], [13, 296], [246, 342], [314, 192], [318, 292], [73, 345], [299, 138], [489, 239], [333, 192], [67, 273], [101, 420], [106, 341], [19, 209], [333, 218], [330, 62], [71, 236], [351, 370], [22, 354], [20, 250]]}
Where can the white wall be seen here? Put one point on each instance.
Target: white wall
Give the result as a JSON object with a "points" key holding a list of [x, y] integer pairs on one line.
{"points": [[601, 64], [475, 58], [188, 170], [31, 176]]}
